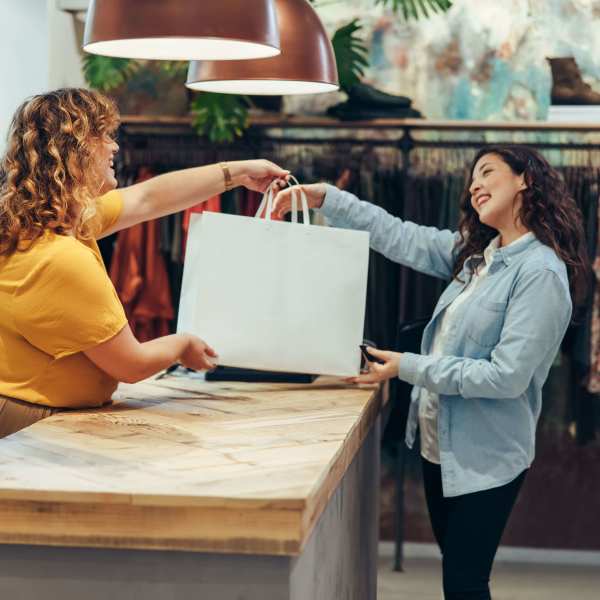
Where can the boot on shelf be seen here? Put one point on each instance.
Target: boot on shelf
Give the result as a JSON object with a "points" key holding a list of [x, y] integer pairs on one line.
{"points": [[367, 102], [367, 95], [568, 86]]}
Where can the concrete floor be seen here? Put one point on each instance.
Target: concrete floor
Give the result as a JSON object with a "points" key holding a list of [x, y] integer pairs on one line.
{"points": [[510, 581]]}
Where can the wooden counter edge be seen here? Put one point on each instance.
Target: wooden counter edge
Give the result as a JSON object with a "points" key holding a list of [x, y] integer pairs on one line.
{"points": [[194, 529], [325, 488]]}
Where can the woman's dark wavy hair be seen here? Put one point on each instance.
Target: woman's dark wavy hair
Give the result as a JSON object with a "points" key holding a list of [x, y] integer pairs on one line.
{"points": [[548, 210]]}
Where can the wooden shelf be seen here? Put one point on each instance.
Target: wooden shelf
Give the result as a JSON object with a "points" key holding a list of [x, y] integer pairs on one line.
{"points": [[304, 122]]}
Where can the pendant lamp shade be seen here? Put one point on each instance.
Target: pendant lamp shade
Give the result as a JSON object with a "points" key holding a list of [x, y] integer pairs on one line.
{"points": [[306, 64], [182, 29]]}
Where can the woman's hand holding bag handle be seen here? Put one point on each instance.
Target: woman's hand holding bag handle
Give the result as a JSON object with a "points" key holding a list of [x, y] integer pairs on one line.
{"points": [[283, 202]]}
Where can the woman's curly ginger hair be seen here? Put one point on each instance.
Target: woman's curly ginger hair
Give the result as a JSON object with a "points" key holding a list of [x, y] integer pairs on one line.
{"points": [[48, 180]]}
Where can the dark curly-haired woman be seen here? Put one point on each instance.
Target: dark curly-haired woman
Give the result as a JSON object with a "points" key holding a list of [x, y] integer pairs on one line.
{"points": [[516, 268], [64, 337]]}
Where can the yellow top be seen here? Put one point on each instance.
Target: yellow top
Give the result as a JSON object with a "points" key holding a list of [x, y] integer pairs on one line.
{"points": [[56, 300]]}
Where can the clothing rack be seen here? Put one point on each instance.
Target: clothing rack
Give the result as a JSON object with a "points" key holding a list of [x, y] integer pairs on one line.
{"points": [[391, 153], [403, 148]]}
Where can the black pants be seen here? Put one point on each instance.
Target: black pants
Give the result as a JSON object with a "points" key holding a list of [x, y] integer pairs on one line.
{"points": [[468, 529]]}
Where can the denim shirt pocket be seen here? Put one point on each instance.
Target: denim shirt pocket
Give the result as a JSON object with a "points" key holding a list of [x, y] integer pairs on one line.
{"points": [[485, 325]]}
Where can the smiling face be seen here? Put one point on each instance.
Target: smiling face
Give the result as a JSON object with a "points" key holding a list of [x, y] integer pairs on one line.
{"points": [[104, 165], [496, 192]]}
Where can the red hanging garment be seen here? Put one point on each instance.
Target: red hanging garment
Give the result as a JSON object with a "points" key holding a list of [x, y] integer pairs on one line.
{"points": [[140, 277], [250, 202]]}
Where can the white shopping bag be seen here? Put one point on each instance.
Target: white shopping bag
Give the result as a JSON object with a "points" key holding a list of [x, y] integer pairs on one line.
{"points": [[273, 295]]}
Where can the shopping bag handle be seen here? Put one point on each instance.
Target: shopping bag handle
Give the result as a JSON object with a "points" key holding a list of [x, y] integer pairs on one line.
{"points": [[267, 203]]}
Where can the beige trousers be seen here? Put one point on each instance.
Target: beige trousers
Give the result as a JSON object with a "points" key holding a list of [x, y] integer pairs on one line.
{"points": [[16, 415]]}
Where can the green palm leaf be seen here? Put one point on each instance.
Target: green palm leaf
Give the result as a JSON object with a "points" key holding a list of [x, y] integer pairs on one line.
{"points": [[414, 9], [105, 73], [221, 117], [351, 54], [177, 69]]}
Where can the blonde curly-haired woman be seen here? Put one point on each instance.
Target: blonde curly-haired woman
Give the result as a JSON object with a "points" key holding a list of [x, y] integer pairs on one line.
{"points": [[64, 338]]}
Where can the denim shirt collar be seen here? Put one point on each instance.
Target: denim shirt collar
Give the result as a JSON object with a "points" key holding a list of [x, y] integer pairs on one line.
{"points": [[506, 254]]}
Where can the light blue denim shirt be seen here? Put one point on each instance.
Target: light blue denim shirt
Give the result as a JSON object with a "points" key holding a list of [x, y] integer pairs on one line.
{"points": [[499, 351]]}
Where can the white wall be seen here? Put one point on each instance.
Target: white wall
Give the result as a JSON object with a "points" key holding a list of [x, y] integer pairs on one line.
{"points": [[23, 56], [65, 30], [39, 51]]}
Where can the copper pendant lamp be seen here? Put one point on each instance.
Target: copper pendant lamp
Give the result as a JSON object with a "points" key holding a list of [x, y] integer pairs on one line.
{"points": [[306, 64], [182, 29]]}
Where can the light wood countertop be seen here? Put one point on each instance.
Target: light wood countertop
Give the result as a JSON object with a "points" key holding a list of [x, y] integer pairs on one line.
{"points": [[182, 464]]}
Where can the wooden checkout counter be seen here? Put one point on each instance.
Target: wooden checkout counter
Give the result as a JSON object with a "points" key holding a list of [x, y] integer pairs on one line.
{"points": [[183, 489]]}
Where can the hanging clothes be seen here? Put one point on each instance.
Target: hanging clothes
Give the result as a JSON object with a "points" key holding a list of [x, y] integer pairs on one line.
{"points": [[584, 184], [248, 203], [593, 384], [139, 275], [423, 184]]}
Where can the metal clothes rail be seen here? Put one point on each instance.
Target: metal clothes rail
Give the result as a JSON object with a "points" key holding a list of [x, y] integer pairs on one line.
{"points": [[164, 134]]}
